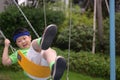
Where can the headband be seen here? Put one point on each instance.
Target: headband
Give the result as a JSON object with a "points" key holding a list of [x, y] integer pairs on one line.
{"points": [[20, 34]]}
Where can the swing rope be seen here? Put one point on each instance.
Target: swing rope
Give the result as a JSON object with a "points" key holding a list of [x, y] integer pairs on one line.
{"points": [[69, 44], [26, 18], [44, 13], [12, 48]]}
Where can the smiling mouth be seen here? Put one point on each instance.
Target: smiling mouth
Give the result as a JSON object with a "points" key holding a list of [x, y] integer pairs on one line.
{"points": [[25, 45]]}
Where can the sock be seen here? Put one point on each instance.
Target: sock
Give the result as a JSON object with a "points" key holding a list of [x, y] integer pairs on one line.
{"points": [[39, 41], [51, 64]]}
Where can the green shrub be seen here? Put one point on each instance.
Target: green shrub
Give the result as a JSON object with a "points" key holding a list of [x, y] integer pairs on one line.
{"points": [[91, 64], [81, 32]]}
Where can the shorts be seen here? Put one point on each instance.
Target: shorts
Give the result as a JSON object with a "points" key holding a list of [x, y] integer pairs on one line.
{"points": [[37, 58]]}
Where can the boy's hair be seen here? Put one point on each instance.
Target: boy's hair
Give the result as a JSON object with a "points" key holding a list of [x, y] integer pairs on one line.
{"points": [[20, 32]]}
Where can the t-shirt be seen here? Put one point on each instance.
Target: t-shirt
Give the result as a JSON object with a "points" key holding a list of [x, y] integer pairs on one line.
{"points": [[13, 56]]}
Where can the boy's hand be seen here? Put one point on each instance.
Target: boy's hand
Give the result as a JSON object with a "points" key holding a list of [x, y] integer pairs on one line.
{"points": [[7, 42]]}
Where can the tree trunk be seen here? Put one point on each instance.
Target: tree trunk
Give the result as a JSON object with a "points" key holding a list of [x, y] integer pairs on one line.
{"points": [[94, 28], [99, 23]]}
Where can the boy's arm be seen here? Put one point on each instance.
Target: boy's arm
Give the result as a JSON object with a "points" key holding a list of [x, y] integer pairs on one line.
{"points": [[5, 57]]}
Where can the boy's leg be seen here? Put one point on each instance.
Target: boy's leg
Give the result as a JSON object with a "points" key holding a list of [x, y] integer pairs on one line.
{"points": [[58, 68], [48, 36]]}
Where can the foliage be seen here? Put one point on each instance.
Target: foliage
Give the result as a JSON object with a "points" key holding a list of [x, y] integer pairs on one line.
{"points": [[81, 38], [80, 31], [91, 64]]}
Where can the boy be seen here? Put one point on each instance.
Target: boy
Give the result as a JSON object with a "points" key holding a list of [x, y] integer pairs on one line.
{"points": [[38, 51]]}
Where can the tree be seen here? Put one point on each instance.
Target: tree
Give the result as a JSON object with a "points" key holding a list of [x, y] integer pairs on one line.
{"points": [[100, 24], [117, 6]]}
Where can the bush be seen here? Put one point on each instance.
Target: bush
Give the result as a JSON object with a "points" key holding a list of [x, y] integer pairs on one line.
{"points": [[91, 64], [81, 32], [81, 38]]}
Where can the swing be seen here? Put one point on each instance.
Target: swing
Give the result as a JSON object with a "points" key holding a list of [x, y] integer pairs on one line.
{"points": [[27, 65], [32, 68]]}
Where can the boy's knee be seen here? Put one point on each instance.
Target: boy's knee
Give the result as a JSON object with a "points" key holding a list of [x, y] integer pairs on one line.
{"points": [[36, 46], [50, 50]]}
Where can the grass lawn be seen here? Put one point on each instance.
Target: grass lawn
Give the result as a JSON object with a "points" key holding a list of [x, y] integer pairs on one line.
{"points": [[9, 75], [78, 76]]}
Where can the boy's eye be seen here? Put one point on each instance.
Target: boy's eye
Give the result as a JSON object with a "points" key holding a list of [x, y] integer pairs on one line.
{"points": [[18, 41]]}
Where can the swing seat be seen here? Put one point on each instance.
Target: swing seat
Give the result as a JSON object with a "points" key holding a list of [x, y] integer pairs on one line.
{"points": [[32, 68]]}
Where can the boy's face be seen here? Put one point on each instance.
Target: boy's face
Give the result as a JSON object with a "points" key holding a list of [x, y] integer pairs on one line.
{"points": [[23, 41]]}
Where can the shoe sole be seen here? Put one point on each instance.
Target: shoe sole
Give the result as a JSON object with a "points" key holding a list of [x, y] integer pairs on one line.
{"points": [[48, 36], [59, 68]]}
